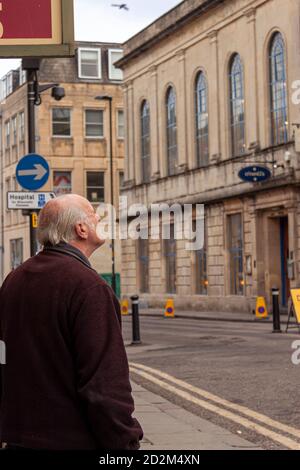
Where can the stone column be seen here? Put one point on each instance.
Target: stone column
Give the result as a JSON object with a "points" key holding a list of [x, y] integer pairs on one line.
{"points": [[181, 114], [251, 84], [214, 101]]}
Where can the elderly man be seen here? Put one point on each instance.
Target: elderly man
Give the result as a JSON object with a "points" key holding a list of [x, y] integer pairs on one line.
{"points": [[65, 384]]}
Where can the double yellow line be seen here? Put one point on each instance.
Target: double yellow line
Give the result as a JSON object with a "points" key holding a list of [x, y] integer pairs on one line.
{"points": [[250, 419]]}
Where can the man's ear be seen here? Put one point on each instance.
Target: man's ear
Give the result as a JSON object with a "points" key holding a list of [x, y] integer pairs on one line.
{"points": [[81, 231]]}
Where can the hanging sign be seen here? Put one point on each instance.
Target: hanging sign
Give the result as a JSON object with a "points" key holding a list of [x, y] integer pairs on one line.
{"points": [[254, 174]]}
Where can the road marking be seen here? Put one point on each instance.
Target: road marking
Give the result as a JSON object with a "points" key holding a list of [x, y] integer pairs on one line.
{"points": [[145, 371]]}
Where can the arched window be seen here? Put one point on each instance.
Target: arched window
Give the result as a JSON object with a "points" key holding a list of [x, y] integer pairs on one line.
{"points": [[202, 120], [172, 150], [237, 105], [145, 141], [279, 119]]}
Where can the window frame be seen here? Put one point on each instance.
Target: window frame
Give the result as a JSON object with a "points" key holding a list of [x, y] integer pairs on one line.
{"points": [[87, 187], [99, 53], [236, 253], [118, 124], [58, 136], [112, 68], [171, 125], [202, 161], [96, 137], [145, 158], [62, 172], [236, 125], [7, 126]]}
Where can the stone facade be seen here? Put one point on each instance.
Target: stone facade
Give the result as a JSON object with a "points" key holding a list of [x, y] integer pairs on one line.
{"points": [[76, 154], [202, 35]]}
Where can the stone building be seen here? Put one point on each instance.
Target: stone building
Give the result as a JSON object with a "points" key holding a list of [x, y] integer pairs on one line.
{"points": [[210, 88], [72, 134]]}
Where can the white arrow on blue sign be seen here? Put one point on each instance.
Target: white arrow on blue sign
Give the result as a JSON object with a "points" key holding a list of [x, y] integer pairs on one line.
{"points": [[32, 172]]}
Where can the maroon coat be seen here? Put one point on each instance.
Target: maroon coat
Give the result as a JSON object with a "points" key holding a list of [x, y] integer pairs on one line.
{"points": [[65, 384]]}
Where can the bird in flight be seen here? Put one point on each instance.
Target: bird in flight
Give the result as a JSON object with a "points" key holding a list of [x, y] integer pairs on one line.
{"points": [[121, 6]]}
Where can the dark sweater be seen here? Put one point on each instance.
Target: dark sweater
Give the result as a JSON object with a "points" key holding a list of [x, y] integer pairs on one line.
{"points": [[65, 384]]}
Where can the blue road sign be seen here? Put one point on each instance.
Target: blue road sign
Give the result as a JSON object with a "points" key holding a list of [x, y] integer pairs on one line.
{"points": [[254, 174], [32, 172]]}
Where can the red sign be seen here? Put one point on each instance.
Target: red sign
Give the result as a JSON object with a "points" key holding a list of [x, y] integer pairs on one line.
{"points": [[26, 19]]}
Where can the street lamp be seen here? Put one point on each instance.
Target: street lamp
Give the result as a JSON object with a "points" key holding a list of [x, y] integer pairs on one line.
{"points": [[113, 267]]}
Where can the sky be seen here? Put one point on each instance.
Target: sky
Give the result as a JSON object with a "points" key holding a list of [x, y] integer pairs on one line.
{"points": [[97, 20]]}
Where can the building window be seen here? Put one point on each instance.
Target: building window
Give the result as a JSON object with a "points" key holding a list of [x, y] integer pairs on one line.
{"points": [[22, 76], [170, 258], [121, 124], [237, 105], [95, 186], [279, 112], [7, 134], [94, 123], [201, 264], [61, 122], [89, 61], [16, 253], [145, 142], [121, 180], [9, 84], [113, 56], [22, 127], [202, 120], [14, 130], [143, 256], [3, 89], [172, 151], [235, 245], [62, 182]]}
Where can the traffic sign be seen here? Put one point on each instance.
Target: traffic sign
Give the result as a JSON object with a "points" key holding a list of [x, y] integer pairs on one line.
{"points": [[31, 201], [32, 172], [254, 174]]}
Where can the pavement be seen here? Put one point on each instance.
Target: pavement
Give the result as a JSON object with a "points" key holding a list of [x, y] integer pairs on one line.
{"points": [[170, 427], [216, 316]]}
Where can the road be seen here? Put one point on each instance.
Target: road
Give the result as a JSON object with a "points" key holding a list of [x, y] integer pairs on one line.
{"points": [[237, 375]]}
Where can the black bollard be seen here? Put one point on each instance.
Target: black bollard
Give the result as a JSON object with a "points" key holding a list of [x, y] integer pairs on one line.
{"points": [[136, 338], [276, 312]]}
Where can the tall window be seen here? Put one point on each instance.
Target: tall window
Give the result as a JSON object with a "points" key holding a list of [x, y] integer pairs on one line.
{"points": [[201, 263], [202, 120], [143, 254], [14, 122], [278, 89], [237, 105], [62, 182], [61, 122], [21, 126], [95, 186], [145, 142], [94, 123], [170, 258], [172, 150], [7, 134], [113, 56], [235, 245], [16, 253], [121, 124], [89, 63]]}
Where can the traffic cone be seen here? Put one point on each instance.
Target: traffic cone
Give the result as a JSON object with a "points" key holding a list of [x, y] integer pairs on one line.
{"points": [[125, 307], [170, 309], [261, 308]]}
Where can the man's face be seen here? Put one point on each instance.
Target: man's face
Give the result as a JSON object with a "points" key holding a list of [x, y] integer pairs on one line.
{"points": [[92, 223]]}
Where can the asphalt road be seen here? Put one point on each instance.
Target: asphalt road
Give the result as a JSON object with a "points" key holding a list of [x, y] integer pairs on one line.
{"points": [[244, 364]]}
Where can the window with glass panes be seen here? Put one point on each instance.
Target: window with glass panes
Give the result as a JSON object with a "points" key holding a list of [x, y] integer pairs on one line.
{"points": [[172, 151], [201, 261], [21, 127], [145, 141], [62, 182], [202, 120], [121, 124], [7, 134], [14, 130], [278, 89], [143, 256], [235, 248], [237, 106], [95, 186], [89, 63], [16, 253], [61, 122], [94, 123], [114, 72], [170, 260]]}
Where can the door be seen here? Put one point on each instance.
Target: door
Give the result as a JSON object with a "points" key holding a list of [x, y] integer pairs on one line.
{"points": [[284, 256]]}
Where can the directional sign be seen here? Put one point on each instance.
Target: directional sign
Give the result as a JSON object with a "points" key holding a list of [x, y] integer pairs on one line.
{"points": [[32, 172], [32, 201], [254, 174]]}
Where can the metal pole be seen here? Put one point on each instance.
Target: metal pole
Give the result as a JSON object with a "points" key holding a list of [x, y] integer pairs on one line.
{"points": [[113, 264], [136, 337], [276, 312], [31, 77]]}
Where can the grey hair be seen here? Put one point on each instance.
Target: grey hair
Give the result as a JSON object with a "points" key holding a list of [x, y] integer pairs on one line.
{"points": [[59, 225]]}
